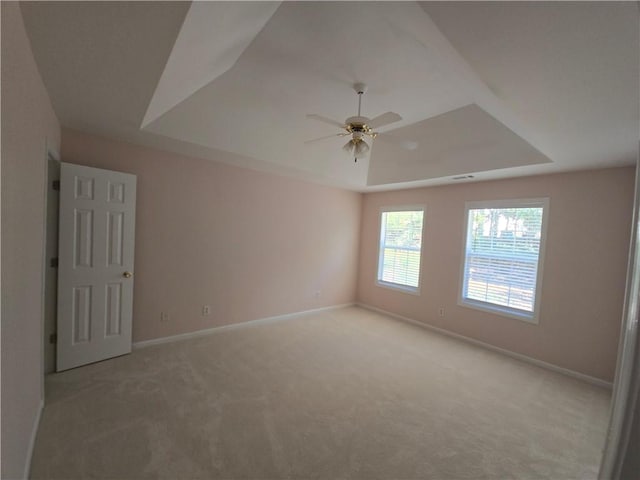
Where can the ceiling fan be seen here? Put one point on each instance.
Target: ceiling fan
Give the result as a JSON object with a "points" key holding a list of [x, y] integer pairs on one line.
{"points": [[359, 127]]}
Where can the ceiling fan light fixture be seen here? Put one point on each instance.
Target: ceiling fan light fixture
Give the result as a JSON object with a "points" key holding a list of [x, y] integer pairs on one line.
{"points": [[360, 148], [348, 147], [356, 147], [360, 127]]}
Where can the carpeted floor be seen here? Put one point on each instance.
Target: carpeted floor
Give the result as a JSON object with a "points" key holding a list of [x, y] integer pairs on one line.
{"points": [[336, 395]]}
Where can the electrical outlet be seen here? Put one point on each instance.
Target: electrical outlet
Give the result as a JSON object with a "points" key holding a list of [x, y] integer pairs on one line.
{"points": [[441, 312], [164, 316], [206, 310]]}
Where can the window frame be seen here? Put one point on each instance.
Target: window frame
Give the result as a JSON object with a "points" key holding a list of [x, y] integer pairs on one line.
{"points": [[396, 286], [509, 312]]}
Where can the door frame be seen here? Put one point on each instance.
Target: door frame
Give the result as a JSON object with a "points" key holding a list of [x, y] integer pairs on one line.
{"points": [[626, 384], [50, 154]]}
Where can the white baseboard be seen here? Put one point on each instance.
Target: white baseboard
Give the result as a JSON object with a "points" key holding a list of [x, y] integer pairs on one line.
{"points": [[549, 366], [32, 440], [234, 326]]}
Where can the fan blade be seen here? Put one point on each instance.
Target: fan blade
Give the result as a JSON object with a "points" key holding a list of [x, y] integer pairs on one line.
{"points": [[390, 139], [320, 118], [384, 119], [325, 137]]}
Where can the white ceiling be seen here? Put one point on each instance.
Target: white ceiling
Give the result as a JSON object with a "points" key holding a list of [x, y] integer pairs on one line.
{"points": [[494, 89], [463, 141], [217, 32]]}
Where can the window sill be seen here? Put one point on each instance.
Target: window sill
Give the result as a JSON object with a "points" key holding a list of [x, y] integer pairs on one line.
{"points": [[498, 310], [399, 288]]}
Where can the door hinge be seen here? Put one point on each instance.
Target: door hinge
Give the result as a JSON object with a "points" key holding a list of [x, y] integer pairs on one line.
{"points": [[53, 338], [56, 185], [54, 262]]}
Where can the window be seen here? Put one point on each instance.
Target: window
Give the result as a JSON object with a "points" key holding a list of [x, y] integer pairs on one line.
{"points": [[400, 243], [503, 257]]}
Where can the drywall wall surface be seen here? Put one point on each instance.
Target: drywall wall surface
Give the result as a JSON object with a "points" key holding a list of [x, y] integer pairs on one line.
{"points": [[248, 244], [29, 127], [584, 268]]}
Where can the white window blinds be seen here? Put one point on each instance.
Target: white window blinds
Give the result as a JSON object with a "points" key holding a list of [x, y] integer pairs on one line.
{"points": [[502, 255], [400, 244]]}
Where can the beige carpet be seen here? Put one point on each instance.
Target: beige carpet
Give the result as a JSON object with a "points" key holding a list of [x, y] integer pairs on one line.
{"points": [[343, 394]]}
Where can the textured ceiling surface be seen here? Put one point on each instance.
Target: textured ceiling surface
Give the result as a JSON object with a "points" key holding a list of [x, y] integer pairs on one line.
{"points": [[491, 89]]}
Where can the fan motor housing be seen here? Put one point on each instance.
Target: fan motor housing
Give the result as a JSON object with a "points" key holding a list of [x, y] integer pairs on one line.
{"points": [[357, 124]]}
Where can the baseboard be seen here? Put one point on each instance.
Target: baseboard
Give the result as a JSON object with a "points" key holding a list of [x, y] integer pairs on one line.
{"points": [[549, 366], [32, 440], [234, 326]]}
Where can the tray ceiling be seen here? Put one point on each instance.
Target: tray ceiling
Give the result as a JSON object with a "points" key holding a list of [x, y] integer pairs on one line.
{"points": [[490, 89]]}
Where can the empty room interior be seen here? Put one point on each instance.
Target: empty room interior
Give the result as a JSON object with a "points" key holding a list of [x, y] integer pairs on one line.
{"points": [[263, 240]]}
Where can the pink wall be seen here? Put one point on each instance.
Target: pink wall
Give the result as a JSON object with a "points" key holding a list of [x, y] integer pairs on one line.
{"points": [[584, 270], [249, 244], [29, 125], [254, 245]]}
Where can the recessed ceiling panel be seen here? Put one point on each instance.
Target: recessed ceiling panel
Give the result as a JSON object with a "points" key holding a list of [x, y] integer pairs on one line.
{"points": [[568, 69], [559, 78], [101, 61], [306, 60], [465, 140], [212, 38]]}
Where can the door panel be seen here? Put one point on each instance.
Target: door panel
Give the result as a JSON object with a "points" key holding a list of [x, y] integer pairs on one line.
{"points": [[96, 252]]}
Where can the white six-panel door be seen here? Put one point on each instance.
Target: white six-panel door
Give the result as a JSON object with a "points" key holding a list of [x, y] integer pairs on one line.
{"points": [[95, 278]]}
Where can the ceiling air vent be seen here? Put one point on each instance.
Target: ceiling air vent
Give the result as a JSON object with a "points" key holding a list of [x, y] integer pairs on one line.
{"points": [[463, 177]]}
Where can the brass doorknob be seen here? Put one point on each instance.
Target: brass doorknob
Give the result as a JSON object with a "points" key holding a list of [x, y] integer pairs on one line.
{"points": [[127, 274]]}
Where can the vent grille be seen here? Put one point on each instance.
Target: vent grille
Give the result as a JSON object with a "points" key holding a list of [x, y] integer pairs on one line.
{"points": [[462, 177]]}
